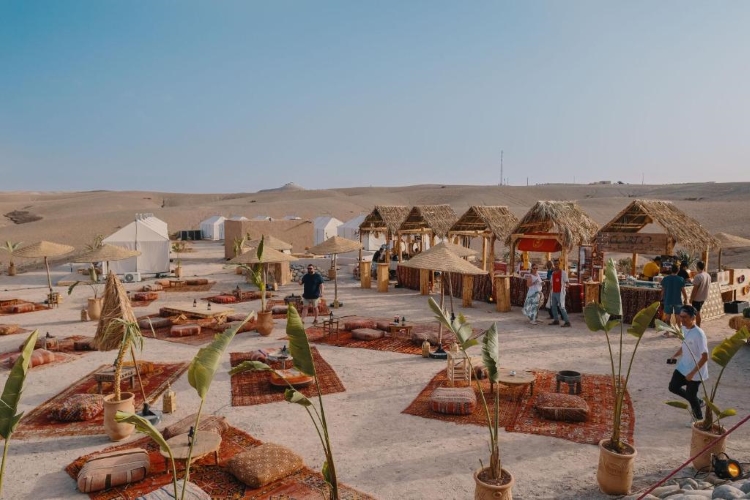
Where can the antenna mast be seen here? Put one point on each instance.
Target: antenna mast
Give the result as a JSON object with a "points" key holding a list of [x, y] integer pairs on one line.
{"points": [[501, 167]]}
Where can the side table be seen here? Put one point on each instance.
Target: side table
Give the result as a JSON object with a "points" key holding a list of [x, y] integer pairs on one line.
{"points": [[513, 378], [331, 325], [108, 375], [401, 330], [206, 442]]}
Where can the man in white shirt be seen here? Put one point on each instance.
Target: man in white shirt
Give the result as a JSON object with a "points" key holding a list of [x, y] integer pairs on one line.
{"points": [[701, 283], [692, 368]]}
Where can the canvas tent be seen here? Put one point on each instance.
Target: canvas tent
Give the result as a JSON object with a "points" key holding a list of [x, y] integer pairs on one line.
{"points": [[350, 231], [325, 227], [148, 235], [213, 228]]}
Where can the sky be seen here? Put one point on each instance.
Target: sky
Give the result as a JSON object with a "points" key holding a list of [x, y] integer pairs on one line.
{"points": [[238, 96]]}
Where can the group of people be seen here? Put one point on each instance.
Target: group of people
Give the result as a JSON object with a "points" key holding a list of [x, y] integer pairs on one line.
{"points": [[558, 279], [674, 295]]}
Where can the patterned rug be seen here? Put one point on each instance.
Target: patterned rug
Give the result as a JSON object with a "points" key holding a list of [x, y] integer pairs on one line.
{"points": [[15, 330], [36, 424], [344, 338], [140, 303], [323, 309], [215, 479], [597, 391], [8, 306], [64, 353], [510, 403], [253, 388], [190, 288], [209, 328]]}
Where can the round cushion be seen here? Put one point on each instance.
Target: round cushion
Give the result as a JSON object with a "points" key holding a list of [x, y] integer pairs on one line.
{"points": [[367, 334], [224, 299], [566, 407]]}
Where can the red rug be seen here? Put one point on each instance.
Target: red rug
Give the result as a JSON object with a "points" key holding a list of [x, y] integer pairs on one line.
{"points": [[36, 424], [209, 328], [245, 296], [215, 479], [597, 391], [323, 309], [190, 288], [64, 353], [7, 307], [344, 338], [254, 388]]}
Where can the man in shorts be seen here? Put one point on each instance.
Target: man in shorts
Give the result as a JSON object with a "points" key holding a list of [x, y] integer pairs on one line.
{"points": [[699, 294], [673, 295], [312, 292]]}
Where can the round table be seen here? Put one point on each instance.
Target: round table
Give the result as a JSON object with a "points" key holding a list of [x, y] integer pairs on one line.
{"points": [[516, 378], [206, 442]]}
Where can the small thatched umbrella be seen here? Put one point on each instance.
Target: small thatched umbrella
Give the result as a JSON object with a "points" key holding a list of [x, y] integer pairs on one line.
{"points": [[456, 249], [335, 245], [270, 256], [730, 241], [106, 253], [440, 258], [44, 249], [269, 242]]}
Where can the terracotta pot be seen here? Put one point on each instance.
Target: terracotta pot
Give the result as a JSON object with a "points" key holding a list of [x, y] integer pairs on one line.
{"points": [[615, 472], [239, 270], [95, 308], [699, 440], [12, 269], [178, 272], [484, 491], [117, 431], [265, 323]]}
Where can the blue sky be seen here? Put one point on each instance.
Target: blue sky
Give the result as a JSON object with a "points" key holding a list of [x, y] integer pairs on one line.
{"points": [[238, 96]]}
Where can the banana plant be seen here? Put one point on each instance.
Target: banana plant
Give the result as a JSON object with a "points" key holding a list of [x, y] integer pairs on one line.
{"points": [[11, 247], [299, 348], [257, 274], [131, 337], [200, 375], [599, 317], [12, 395]]}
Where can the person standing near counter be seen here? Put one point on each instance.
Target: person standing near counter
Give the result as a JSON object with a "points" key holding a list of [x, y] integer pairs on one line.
{"points": [[672, 295], [692, 368], [558, 284], [534, 295], [699, 294], [652, 269]]}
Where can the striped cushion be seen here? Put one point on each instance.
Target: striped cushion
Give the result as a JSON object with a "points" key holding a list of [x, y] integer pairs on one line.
{"points": [[188, 330], [113, 469], [264, 464], [453, 400], [78, 408], [156, 287], [383, 324], [567, 407], [367, 334]]}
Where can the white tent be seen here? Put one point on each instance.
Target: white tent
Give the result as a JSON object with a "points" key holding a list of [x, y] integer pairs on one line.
{"points": [[350, 230], [213, 228], [325, 227], [238, 217], [148, 235]]}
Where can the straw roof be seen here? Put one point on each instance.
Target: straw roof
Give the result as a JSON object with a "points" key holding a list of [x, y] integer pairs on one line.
{"points": [[683, 229], [439, 258], [270, 256], [107, 253], [425, 218], [384, 218], [559, 217], [481, 219], [115, 305], [269, 242], [457, 249], [43, 249], [335, 244], [731, 241]]}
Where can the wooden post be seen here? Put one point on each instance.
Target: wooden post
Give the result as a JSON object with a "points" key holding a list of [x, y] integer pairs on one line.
{"points": [[502, 288], [424, 282], [564, 259], [634, 265], [484, 253], [467, 289], [365, 276], [383, 276], [398, 245], [360, 248], [388, 242], [512, 256], [704, 258], [548, 257]]}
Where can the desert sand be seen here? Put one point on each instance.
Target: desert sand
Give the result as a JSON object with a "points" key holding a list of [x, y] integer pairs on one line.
{"points": [[378, 449]]}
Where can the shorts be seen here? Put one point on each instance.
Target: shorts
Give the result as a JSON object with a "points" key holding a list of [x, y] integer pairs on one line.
{"points": [[698, 304], [672, 308], [310, 302]]}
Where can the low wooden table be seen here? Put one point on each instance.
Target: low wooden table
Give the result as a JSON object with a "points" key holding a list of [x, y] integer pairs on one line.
{"points": [[108, 375], [515, 378], [176, 283], [401, 330], [331, 325], [206, 442]]}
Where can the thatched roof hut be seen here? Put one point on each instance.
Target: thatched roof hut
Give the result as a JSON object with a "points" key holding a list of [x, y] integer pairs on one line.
{"points": [[435, 219], [562, 221], [384, 219], [490, 223]]}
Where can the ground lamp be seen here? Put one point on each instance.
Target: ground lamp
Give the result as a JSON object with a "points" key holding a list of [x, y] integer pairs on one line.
{"points": [[725, 468], [334, 246]]}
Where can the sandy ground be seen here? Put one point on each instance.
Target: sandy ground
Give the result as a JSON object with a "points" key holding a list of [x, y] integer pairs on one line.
{"points": [[378, 449]]}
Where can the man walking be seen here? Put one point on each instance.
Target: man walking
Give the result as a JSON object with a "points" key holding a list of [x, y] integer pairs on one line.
{"points": [[558, 284], [692, 368], [672, 295], [699, 294], [312, 292]]}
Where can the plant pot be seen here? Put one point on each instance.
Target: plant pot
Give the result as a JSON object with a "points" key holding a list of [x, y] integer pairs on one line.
{"points": [[239, 270], [117, 431], [95, 308], [615, 472], [12, 269], [178, 272], [265, 323], [485, 491], [699, 440]]}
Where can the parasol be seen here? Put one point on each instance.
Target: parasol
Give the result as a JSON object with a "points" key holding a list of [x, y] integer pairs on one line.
{"points": [[44, 249], [457, 249], [730, 241], [333, 246], [270, 256], [269, 242], [106, 253], [441, 258]]}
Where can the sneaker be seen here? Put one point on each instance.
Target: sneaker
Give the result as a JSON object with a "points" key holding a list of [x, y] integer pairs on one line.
{"points": [[556, 322], [315, 322], [566, 324], [534, 322]]}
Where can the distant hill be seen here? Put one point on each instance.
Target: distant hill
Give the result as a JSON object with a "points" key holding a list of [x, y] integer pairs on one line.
{"points": [[289, 186]]}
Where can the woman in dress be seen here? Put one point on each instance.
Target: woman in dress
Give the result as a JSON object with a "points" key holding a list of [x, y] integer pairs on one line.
{"points": [[534, 295]]}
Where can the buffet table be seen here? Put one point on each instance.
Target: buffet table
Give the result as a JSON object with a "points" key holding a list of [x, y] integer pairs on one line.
{"points": [[635, 298], [573, 298]]}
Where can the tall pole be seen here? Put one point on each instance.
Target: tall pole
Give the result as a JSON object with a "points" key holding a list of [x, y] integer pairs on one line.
{"points": [[501, 167]]}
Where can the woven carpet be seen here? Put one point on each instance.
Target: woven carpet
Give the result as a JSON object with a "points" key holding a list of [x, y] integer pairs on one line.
{"points": [[140, 303], [344, 338], [597, 391], [5, 310], [323, 309], [510, 404], [254, 388], [63, 354], [209, 328], [36, 424], [189, 288], [215, 479]]}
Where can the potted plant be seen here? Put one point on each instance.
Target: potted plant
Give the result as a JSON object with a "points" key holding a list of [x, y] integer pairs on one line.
{"points": [[616, 457], [257, 274], [11, 247], [178, 247], [239, 242], [492, 481], [709, 429], [299, 348], [94, 306]]}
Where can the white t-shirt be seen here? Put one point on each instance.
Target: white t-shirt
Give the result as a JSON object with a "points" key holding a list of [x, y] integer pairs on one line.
{"points": [[536, 283], [701, 283], [695, 343]]}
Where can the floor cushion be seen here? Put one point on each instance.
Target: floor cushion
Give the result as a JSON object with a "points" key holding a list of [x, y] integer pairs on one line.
{"points": [[453, 400], [78, 408], [166, 492], [9, 329], [420, 333], [21, 308], [279, 309], [115, 468], [264, 464], [187, 330], [144, 296], [211, 423], [384, 324], [38, 357], [224, 299], [567, 407], [146, 324], [155, 287], [367, 334], [196, 281], [246, 327], [354, 323], [237, 317]]}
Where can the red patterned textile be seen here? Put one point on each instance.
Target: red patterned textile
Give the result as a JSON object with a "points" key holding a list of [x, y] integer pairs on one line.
{"points": [[453, 400]]}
